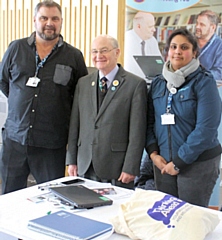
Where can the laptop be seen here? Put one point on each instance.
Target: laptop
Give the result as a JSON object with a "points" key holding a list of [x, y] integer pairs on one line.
{"points": [[80, 196], [150, 65]]}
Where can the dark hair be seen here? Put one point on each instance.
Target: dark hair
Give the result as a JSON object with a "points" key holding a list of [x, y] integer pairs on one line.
{"points": [[212, 16], [187, 34], [47, 3]]}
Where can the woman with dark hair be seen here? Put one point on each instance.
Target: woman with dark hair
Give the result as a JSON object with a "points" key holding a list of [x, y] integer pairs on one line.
{"points": [[184, 115]]}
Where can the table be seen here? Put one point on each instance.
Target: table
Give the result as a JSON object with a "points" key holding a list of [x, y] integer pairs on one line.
{"points": [[16, 210]]}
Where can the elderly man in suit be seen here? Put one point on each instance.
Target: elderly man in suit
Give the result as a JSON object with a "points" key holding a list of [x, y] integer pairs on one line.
{"points": [[109, 118]]}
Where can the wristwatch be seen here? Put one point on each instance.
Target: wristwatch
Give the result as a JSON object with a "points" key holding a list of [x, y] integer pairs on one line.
{"points": [[176, 168]]}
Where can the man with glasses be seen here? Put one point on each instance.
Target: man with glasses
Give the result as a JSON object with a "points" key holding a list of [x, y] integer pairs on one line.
{"points": [[209, 42], [108, 121]]}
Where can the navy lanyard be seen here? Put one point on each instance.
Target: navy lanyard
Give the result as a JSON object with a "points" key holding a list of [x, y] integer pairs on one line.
{"points": [[169, 102], [39, 65]]}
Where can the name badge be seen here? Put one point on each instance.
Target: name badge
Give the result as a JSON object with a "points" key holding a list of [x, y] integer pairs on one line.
{"points": [[167, 119], [33, 82]]}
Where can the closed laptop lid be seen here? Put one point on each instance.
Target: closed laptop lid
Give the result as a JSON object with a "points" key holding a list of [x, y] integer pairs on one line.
{"points": [[80, 196], [150, 65]]}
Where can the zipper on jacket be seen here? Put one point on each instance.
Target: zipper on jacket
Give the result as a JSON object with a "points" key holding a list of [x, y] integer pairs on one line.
{"points": [[169, 133], [169, 143]]}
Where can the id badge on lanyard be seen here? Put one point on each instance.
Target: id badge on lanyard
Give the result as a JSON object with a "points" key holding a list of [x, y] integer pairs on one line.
{"points": [[168, 118], [34, 81]]}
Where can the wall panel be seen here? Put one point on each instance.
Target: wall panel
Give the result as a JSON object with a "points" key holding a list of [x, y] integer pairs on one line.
{"points": [[83, 20]]}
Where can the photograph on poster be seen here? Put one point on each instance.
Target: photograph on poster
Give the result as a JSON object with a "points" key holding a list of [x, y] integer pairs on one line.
{"points": [[165, 23]]}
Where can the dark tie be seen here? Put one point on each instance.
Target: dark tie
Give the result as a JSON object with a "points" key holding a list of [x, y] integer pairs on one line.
{"points": [[103, 84], [143, 48]]}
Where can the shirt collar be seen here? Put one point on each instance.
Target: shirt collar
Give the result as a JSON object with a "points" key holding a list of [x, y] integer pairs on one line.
{"points": [[209, 42], [110, 76], [213, 37], [137, 36]]}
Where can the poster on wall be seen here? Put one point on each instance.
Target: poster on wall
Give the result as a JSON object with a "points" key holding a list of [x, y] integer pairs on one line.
{"points": [[149, 23]]}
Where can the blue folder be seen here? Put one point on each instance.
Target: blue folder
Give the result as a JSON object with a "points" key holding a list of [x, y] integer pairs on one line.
{"points": [[69, 226]]}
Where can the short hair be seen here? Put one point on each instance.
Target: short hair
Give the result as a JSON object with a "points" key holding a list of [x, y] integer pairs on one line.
{"points": [[113, 41], [212, 16], [188, 35], [47, 3], [142, 17]]}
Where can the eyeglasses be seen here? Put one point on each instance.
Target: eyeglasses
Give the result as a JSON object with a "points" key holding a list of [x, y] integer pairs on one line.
{"points": [[103, 51]]}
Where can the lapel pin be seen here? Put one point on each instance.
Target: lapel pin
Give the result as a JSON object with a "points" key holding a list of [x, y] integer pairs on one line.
{"points": [[93, 83], [113, 88], [115, 83]]}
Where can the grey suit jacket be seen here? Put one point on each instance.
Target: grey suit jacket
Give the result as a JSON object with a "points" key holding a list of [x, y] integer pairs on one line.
{"points": [[114, 138]]}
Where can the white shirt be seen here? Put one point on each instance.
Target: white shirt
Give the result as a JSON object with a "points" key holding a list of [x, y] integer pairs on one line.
{"points": [[133, 47]]}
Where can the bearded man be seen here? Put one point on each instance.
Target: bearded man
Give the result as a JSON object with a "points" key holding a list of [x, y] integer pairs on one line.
{"points": [[209, 42], [38, 75]]}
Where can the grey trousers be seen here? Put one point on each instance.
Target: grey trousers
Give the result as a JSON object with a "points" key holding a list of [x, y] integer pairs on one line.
{"points": [[194, 185]]}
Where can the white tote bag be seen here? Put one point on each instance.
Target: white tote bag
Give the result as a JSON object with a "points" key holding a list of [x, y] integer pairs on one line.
{"points": [[153, 215]]}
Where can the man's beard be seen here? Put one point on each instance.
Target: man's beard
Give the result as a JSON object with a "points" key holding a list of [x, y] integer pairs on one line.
{"points": [[200, 35], [48, 37]]}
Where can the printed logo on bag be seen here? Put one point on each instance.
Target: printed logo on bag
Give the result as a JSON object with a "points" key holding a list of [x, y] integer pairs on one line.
{"points": [[164, 209]]}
